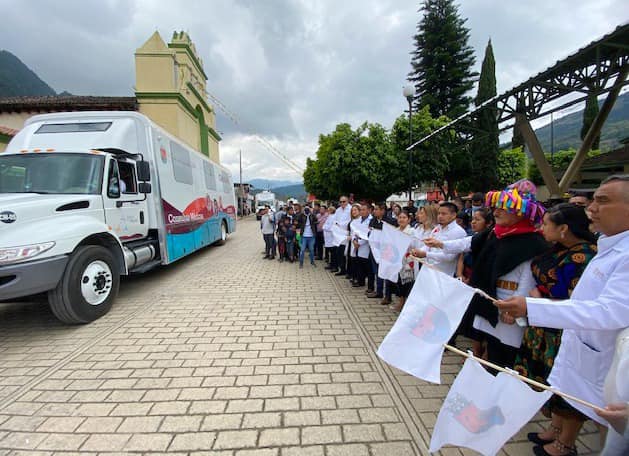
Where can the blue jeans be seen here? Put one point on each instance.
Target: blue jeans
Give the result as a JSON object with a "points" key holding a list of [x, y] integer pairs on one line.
{"points": [[307, 242]]}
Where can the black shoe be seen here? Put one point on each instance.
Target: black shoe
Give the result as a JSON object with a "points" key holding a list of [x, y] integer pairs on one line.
{"points": [[540, 451], [313, 264], [348, 277], [340, 273], [330, 268], [534, 437], [357, 285]]}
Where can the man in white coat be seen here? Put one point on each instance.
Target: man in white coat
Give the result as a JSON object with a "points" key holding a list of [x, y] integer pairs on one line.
{"points": [[597, 310]]}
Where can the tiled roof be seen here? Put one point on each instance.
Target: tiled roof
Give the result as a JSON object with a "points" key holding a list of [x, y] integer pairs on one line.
{"points": [[7, 131], [615, 157], [68, 103]]}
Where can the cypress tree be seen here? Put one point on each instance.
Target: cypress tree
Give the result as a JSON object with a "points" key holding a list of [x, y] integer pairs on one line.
{"points": [[485, 146], [442, 60], [589, 114]]}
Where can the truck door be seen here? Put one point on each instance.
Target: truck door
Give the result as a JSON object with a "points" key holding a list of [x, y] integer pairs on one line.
{"points": [[125, 208]]}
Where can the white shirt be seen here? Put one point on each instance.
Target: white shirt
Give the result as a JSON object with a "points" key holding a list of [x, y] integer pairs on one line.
{"points": [[342, 216], [444, 262], [592, 319], [307, 228]]}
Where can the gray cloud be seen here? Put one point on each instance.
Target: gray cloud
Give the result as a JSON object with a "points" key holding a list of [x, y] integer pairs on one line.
{"points": [[289, 69]]}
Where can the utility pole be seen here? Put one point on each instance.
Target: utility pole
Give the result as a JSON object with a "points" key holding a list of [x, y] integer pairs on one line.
{"points": [[242, 189]]}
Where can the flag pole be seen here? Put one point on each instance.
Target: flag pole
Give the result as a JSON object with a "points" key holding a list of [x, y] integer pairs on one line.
{"points": [[524, 379]]}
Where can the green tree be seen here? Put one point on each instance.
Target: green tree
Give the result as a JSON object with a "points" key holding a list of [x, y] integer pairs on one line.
{"points": [[442, 60], [485, 145], [433, 160], [589, 114], [560, 162], [361, 161], [512, 166]]}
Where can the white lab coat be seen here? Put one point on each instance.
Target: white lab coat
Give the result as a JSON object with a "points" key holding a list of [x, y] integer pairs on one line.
{"points": [[592, 319], [616, 391], [360, 225], [444, 262]]}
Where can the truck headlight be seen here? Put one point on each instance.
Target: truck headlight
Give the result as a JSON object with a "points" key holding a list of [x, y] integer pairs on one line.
{"points": [[24, 252]]}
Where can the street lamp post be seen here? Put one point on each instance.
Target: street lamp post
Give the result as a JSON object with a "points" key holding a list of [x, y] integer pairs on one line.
{"points": [[409, 94]]}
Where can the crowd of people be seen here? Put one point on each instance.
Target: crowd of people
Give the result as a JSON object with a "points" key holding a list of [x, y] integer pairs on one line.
{"points": [[560, 275]]}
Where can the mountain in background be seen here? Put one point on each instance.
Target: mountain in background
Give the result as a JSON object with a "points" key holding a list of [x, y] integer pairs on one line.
{"points": [[296, 191], [266, 184], [567, 129], [17, 80]]}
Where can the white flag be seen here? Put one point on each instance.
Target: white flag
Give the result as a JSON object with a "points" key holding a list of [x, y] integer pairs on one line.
{"points": [[428, 320], [358, 229], [482, 412], [375, 239], [339, 234], [393, 247]]}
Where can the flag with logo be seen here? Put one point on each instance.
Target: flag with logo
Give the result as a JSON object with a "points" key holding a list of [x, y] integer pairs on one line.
{"points": [[393, 247], [375, 239], [482, 412], [428, 320]]}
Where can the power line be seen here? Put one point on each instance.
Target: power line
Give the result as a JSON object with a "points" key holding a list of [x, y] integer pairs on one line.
{"points": [[231, 116]]}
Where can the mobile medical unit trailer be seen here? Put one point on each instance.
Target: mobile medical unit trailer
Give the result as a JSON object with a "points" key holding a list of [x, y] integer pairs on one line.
{"points": [[87, 197]]}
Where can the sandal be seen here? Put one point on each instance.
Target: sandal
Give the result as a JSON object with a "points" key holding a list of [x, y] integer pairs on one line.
{"points": [[565, 450]]}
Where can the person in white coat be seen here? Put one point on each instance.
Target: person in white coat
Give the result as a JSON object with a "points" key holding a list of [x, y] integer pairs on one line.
{"points": [[594, 315], [617, 397], [359, 228], [446, 230]]}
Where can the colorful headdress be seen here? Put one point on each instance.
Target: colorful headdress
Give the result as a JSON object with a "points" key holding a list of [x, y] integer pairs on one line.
{"points": [[518, 198]]}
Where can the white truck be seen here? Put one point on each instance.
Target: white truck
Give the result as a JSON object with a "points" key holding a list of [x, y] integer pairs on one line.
{"points": [[265, 198], [87, 197]]}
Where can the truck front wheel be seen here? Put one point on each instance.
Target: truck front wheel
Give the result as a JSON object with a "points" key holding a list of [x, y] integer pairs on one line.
{"points": [[88, 286]]}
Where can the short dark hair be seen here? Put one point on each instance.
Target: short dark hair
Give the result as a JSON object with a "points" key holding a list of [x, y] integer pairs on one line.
{"points": [[450, 205], [382, 206], [478, 196]]}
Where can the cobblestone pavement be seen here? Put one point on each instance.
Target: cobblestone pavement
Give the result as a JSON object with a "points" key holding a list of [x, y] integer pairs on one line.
{"points": [[223, 353]]}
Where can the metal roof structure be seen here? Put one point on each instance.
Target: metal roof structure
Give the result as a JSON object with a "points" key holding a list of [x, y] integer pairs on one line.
{"points": [[594, 67]]}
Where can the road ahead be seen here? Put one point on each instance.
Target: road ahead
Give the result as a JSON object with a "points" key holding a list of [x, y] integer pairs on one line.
{"points": [[223, 353]]}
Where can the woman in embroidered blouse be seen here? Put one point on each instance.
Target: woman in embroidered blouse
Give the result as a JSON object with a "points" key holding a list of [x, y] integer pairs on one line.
{"points": [[556, 273]]}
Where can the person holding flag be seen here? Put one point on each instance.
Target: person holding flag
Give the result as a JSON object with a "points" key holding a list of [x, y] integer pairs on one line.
{"points": [[597, 311]]}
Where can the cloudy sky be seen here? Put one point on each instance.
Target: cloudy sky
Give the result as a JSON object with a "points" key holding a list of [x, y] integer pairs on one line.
{"points": [[288, 69]]}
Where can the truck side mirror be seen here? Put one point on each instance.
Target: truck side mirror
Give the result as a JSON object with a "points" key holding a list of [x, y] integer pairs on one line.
{"points": [[144, 187], [144, 172]]}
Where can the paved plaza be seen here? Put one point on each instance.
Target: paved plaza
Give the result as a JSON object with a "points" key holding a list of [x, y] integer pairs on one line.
{"points": [[223, 353]]}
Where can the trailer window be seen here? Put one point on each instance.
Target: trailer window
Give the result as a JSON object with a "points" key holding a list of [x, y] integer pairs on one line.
{"points": [[182, 168], [227, 186], [73, 127], [210, 177]]}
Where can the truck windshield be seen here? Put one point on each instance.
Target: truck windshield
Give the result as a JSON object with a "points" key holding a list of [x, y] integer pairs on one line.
{"points": [[56, 173]]}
